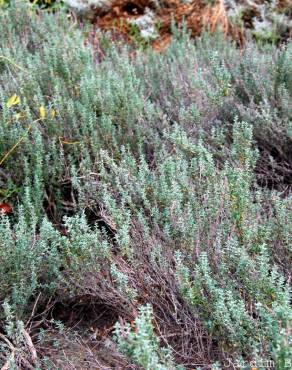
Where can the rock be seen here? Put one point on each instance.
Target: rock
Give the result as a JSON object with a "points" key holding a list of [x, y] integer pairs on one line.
{"points": [[87, 8], [146, 25]]}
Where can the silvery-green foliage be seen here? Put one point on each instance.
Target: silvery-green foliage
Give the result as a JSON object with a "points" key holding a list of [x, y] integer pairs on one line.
{"points": [[159, 178], [142, 345], [122, 282]]}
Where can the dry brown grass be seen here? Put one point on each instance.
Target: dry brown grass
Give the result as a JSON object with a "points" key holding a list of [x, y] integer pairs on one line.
{"points": [[196, 14]]}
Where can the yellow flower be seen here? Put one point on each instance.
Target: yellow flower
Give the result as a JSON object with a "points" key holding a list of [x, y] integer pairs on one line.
{"points": [[13, 100], [18, 116], [53, 113], [43, 113]]}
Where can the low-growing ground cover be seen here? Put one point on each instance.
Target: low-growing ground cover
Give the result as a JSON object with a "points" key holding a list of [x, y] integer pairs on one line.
{"points": [[151, 200]]}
